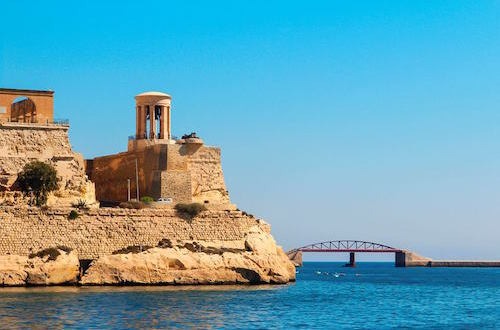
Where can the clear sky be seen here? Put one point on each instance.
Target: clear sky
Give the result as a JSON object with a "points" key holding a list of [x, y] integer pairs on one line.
{"points": [[371, 120]]}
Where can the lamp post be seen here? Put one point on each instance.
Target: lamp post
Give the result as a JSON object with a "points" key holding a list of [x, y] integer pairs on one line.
{"points": [[128, 190], [137, 180]]}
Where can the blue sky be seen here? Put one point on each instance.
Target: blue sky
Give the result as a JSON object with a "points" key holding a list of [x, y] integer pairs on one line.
{"points": [[374, 120]]}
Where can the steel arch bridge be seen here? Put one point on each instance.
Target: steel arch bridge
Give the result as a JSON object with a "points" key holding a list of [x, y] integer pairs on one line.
{"points": [[350, 246], [347, 246]]}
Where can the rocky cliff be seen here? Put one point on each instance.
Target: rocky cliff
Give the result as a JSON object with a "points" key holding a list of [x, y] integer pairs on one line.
{"points": [[149, 246], [51, 266], [20, 144], [262, 261]]}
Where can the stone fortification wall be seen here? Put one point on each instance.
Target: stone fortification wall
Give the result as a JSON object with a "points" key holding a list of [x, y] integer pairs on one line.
{"points": [[23, 143], [207, 179], [186, 173], [194, 173], [111, 174], [176, 185], [99, 232]]}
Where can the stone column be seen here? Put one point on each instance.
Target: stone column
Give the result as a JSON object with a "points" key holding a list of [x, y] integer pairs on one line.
{"points": [[142, 122], [152, 122], [138, 122], [145, 133], [33, 115], [23, 114], [162, 122], [169, 134]]}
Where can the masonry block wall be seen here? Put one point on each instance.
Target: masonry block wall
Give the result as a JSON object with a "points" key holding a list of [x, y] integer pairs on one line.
{"points": [[207, 179], [99, 232]]}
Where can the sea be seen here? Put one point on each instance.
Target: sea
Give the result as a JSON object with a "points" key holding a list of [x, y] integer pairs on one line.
{"points": [[325, 296]]}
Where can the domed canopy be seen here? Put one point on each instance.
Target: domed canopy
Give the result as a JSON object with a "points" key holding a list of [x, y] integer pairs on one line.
{"points": [[153, 116], [152, 93]]}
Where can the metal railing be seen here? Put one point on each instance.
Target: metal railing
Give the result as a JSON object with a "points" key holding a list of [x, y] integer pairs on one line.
{"points": [[55, 122], [60, 122]]}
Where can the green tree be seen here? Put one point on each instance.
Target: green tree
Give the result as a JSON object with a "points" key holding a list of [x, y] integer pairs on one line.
{"points": [[38, 178]]}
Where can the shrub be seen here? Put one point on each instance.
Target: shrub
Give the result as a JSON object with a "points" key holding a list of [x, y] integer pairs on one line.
{"points": [[38, 178], [52, 252], [73, 215], [165, 243], [192, 209], [132, 205], [133, 249], [247, 214], [64, 248], [80, 204], [147, 199]]}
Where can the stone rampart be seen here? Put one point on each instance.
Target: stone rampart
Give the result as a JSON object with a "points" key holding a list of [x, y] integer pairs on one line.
{"points": [[186, 173], [98, 232], [207, 179]]}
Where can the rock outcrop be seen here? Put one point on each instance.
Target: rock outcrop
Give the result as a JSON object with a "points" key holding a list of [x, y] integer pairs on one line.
{"points": [[13, 270], [64, 269], [52, 266], [261, 262], [146, 246], [21, 144]]}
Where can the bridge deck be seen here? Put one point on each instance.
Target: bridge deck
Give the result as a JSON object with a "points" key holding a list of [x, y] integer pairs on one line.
{"points": [[351, 250]]}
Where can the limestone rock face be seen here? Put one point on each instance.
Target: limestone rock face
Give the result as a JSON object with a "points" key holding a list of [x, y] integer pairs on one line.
{"points": [[264, 262], [12, 270], [259, 241], [63, 270], [21, 270], [20, 145]]}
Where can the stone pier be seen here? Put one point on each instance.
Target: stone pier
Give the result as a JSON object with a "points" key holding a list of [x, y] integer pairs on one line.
{"points": [[407, 258]]}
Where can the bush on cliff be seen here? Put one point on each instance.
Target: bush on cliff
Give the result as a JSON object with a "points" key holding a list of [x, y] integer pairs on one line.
{"points": [[192, 210], [39, 179], [73, 215], [52, 252], [80, 204], [133, 249], [165, 243], [132, 205], [147, 199]]}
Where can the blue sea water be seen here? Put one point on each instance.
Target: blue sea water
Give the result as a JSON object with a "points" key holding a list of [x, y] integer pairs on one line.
{"points": [[325, 296]]}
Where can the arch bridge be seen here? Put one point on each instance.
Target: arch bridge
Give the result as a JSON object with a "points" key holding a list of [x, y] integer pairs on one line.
{"points": [[402, 257]]}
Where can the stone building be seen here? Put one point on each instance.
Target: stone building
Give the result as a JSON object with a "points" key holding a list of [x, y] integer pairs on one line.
{"points": [[26, 106], [28, 133], [158, 166]]}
